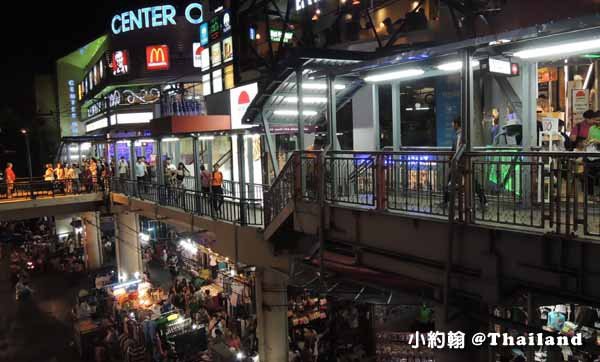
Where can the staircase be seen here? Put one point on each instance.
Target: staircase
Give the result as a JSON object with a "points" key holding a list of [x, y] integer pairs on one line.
{"points": [[279, 199]]}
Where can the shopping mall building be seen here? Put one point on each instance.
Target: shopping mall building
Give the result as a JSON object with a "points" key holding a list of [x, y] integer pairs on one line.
{"points": [[345, 185]]}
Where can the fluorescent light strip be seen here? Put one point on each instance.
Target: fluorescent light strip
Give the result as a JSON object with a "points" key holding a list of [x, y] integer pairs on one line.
{"points": [[206, 138], [321, 86], [133, 118], [450, 67], [170, 139], [293, 112], [567, 48], [389, 76], [306, 100], [588, 76]]}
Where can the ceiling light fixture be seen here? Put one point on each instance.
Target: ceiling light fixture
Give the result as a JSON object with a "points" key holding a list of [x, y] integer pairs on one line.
{"points": [[559, 49], [389, 76]]}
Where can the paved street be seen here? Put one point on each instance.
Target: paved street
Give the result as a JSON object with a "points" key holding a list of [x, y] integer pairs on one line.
{"points": [[39, 330]]}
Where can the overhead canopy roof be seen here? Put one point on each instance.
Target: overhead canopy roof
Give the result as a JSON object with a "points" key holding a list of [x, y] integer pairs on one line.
{"points": [[276, 102]]}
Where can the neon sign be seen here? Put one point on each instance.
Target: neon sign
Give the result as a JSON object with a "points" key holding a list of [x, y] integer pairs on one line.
{"points": [[153, 17], [157, 57]]}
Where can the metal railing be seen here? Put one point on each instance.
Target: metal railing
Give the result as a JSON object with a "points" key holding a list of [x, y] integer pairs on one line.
{"points": [[282, 190], [230, 188], [550, 192], [29, 190], [214, 204]]}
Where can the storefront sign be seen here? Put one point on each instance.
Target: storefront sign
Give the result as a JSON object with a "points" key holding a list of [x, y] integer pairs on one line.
{"points": [[275, 35], [204, 33], [157, 57], [239, 100], [72, 101], [205, 59], [120, 62], [499, 66], [121, 97], [215, 28], [154, 17], [226, 23], [579, 101], [96, 108]]}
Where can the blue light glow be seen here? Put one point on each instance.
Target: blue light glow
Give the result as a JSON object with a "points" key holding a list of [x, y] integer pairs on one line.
{"points": [[188, 13]]}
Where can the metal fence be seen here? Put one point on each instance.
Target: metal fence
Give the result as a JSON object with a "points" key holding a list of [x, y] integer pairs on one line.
{"points": [[28, 190], [216, 205], [548, 192]]}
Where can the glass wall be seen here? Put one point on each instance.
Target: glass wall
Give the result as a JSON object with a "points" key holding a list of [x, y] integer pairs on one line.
{"points": [[419, 100], [176, 151]]}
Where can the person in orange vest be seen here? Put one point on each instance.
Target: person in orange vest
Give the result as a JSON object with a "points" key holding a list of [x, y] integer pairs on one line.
{"points": [[217, 188], [10, 177]]}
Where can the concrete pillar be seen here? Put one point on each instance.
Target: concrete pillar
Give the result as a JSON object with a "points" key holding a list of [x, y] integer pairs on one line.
{"points": [[92, 241], [271, 302], [458, 322], [129, 255]]}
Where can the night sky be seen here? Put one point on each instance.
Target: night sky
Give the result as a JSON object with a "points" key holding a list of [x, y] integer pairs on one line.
{"points": [[35, 35]]}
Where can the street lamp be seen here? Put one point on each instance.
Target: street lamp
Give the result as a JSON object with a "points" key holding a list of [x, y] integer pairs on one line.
{"points": [[25, 133]]}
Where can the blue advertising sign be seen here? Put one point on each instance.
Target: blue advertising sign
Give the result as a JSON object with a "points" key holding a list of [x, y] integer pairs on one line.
{"points": [[203, 33], [447, 101]]}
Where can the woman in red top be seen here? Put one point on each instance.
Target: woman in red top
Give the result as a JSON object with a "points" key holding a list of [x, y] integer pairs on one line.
{"points": [[10, 176]]}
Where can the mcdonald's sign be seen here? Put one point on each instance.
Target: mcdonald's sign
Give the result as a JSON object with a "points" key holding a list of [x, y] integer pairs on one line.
{"points": [[157, 57]]}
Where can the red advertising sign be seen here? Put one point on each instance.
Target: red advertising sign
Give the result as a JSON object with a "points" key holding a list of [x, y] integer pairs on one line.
{"points": [[157, 57]]}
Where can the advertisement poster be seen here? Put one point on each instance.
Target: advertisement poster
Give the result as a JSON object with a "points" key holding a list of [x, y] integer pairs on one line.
{"points": [[227, 49], [204, 33], [447, 100], [206, 84], [197, 54], [217, 81], [205, 55], [239, 100], [579, 101], [215, 55], [228, 77]]}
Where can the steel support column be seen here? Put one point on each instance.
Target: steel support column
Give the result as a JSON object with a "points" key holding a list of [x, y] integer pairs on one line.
{"points": [[396, 117], [160, 175], [331, 113], [377, 133], [271, 146], [300, 108], [133, 158], [197, 185], [242, 179]]}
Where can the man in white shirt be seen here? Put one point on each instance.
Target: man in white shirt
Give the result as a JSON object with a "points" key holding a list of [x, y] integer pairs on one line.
{"points": [[123, 169], [140, 174], [170, 171]]}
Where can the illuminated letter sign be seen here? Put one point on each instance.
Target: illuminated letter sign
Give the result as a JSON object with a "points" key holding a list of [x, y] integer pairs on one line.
{"points": [[153, 17], [157, 57], [204, 33], [193, 19]]}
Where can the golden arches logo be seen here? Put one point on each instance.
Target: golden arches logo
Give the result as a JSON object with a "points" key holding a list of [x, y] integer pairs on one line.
{"points": [[157, 56]]}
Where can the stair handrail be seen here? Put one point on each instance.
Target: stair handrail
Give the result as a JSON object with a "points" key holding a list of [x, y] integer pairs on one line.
{"points": [[282, 189]]}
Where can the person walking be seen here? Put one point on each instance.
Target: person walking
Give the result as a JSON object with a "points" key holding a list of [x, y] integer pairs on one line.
{"points": [[217, 188], [10, 177]]}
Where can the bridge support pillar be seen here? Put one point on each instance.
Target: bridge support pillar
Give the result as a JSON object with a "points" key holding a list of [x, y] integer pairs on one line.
{"points": [[92, 243], [129, 255], [458, 322], [271, 305]]}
